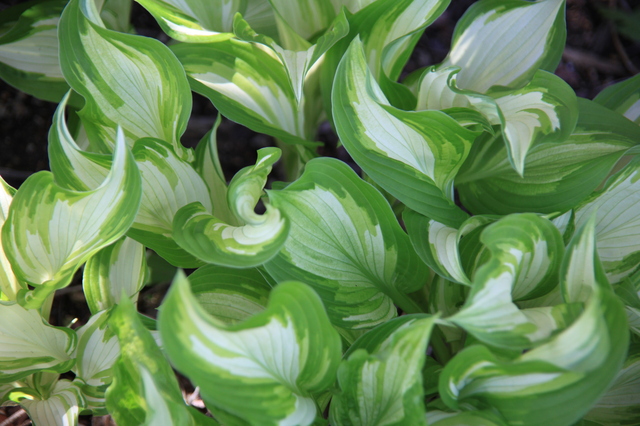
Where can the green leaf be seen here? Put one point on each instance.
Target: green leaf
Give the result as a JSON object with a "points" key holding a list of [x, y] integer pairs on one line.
{"points": [[126, 80], [346, 243], [145, 390], [559, 380], [118, 269], [623, 98], [258, 240], [28, 344], [380, 381], [412, 155], [558, 175], [95, 354], [263, 370], [29, 52], [59, 407], [525, 255], [9, 284], [503, 43], [617, 222], [51, 231], [248, 84], [230, 295], [475, 418]]}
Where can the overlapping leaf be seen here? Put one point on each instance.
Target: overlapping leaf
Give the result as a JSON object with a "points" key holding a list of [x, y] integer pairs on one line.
{"points": [[559, 380], [413, 155], [526, 252], [9, 285], [60, 406], [126, 80], [50, 231], [559, 175], [623, 98], [264, 370], [380, 378], [258, 240], [346, 243]]}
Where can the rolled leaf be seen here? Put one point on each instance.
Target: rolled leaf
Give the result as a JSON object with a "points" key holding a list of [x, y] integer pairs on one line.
{"points": [[126, 80], [29, 52], [51, 231], [28, 344], [213, 241], [560, 379], [499, 43], [526, 252], [118, 269], [414, 156], [346, 243], [263, 370], [380, 381]]}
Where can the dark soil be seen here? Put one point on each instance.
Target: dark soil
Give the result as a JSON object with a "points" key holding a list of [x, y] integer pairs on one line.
{"points": [[596, 56]]}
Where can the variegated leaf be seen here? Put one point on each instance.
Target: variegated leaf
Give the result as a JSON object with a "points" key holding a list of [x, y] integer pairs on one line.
{"points": [[51, 231], [168, 184], [617, 222], [389, 29], [543, 111], [499, 43], [623, 98], [346, 243], [263, 370], [195, 21], [9, 284], [118, 269], [380, 380], [258, 240], [230, 295], [475, 418], [29, 51], [438, 244], [59, 407], [559, 380], [28, 344], [95, 354], [559, 175], [126, 80], [145, 390], [621, 403], [413, 155], [249, 84], [526, 252], [207, 164]]}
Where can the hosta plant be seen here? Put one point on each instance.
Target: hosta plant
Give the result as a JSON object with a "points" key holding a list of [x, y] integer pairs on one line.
{"points": [[480, 268]]}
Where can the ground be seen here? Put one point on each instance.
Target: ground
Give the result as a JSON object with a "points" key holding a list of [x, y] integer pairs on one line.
{"points": [[598, 53]]}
